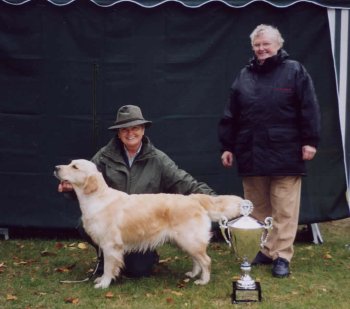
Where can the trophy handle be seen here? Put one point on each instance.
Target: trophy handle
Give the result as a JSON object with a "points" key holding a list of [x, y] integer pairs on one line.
{"points": [[267, 226], [223, 227], [268, 223]]}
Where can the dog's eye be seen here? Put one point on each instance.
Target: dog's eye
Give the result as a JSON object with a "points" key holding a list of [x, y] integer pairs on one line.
{"points": [[75, 167]]}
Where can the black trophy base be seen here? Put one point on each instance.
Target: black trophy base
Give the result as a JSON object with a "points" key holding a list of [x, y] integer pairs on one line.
{"points": [[240, 295]]}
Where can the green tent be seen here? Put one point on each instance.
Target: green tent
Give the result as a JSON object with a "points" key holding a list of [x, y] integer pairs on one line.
{"points": [[66, 66]]}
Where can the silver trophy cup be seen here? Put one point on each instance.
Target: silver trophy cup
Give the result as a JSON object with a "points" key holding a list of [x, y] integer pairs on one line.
{"points": [[245, 236]]}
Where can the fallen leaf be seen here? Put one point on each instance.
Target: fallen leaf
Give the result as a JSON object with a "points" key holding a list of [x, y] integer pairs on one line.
{"points": [[62, 270], [82, 246], [176, 293], [109, 295], [71, 300], [59, 245], [10, 297], [47, 253], [165, 260], [169, 300], [2, 266], [20, 263], [65, 269], [327, 256], [183, 283]]}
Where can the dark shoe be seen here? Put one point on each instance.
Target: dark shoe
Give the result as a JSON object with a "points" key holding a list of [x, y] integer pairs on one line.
{"points": [[140, 264], [261, 259], [280, 268]]}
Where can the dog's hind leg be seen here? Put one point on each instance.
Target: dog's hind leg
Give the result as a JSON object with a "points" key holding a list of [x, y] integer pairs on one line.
{"points": [[201, 265], [201, 261], [204, 261], [113, 262], [195, 270]]}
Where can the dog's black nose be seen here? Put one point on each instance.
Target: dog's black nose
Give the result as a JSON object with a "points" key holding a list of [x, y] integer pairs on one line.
{"points": [[57, 168]]}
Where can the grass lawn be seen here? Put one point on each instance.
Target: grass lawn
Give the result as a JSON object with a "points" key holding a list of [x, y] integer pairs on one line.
{"points": [[31, 270]]}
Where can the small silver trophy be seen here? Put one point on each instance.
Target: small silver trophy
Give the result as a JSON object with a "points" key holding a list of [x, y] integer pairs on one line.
{"points": [[245, 236]]}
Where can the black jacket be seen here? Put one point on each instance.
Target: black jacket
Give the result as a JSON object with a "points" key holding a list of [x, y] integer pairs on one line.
{"points": [[272, 112]]}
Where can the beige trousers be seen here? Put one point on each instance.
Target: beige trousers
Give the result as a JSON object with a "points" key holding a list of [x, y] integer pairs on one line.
{"points": [[279, 198]]}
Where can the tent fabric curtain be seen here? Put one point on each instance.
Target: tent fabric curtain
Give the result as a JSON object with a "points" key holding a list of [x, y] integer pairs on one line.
{"points": [[339, 31], [65, 70], [197, 3]]}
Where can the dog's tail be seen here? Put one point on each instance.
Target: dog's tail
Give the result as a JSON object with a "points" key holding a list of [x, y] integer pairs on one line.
{"points": [[218, 206]]}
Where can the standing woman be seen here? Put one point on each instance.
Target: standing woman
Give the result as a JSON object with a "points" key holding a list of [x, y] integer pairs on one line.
{"points": [[271, 126]]}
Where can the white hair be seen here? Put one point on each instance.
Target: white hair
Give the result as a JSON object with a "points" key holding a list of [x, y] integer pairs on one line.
{"points": [[267, 28]]}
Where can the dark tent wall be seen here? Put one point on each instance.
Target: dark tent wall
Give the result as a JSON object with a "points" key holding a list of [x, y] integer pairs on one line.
{"points": [[64, 71]]}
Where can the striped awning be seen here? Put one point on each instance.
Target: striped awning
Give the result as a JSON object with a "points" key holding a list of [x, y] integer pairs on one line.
{"points": [[335, 4], [339, 30]]}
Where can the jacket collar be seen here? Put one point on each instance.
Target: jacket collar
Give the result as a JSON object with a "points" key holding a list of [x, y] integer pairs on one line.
{"points": [[269, 63], [115, 149]]}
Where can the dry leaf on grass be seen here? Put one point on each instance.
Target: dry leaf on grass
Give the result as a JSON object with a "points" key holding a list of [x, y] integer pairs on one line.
{"points": [[47, 253], [164, 261], [176, 293], [10, 297], [183, 283], [173, 292], [65, 269], [327, 256], [169, 300], [109, 295], [19, 262], [82, 246], [59, 245], [71, 300]]}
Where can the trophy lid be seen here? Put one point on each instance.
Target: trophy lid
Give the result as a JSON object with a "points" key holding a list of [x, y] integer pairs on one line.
{"points": [[245, 223]]}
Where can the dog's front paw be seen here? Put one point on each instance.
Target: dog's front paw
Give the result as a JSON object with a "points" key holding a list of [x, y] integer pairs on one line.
{"points": [[201, 282], [190, 274], [102, 282]]}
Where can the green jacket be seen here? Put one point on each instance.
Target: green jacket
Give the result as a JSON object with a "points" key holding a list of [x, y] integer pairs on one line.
{"points": [[151, 172]]}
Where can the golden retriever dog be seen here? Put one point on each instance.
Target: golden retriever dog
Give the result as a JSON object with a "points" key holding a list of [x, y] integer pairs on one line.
{"points": [[118, 222]]}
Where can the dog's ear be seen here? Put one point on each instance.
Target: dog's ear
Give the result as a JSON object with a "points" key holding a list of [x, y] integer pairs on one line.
{"points": [[90, 185]]}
